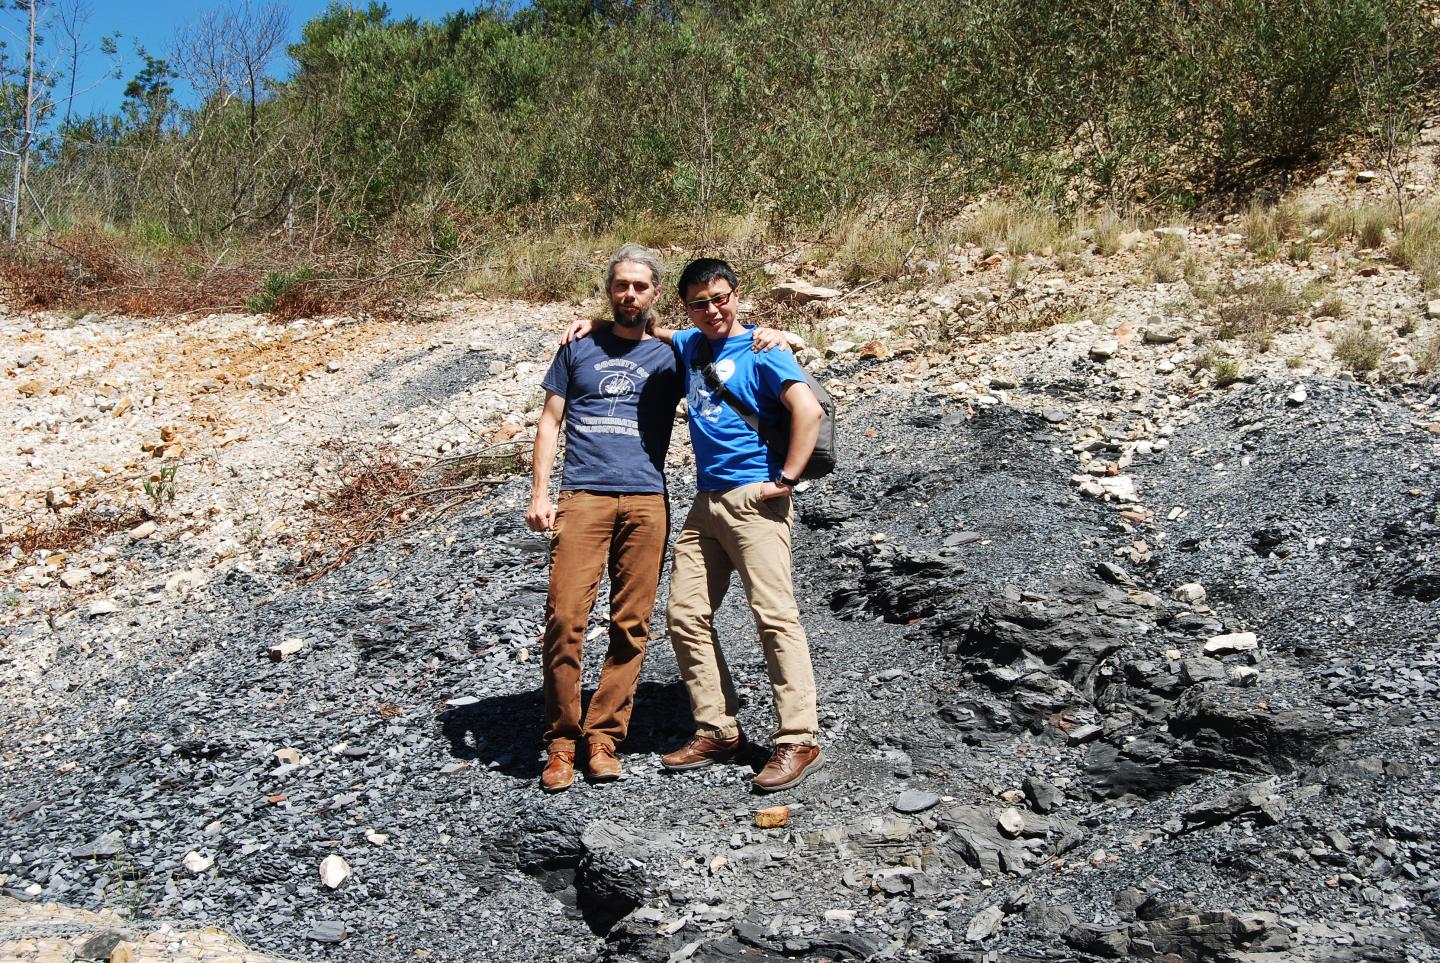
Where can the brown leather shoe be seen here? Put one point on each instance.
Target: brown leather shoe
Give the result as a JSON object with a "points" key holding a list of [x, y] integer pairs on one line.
{"points": [[559, 770], [602, 764], [789, 764], [702, 751]]}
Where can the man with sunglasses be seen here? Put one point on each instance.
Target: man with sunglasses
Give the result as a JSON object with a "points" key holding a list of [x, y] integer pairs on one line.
{"points": [[740, 522]]}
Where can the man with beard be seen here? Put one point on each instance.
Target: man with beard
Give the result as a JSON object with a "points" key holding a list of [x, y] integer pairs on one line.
{"points": [[615, 393]]}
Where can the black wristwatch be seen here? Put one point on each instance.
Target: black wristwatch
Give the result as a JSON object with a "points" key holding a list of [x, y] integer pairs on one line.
{"points": [[787, 482]]}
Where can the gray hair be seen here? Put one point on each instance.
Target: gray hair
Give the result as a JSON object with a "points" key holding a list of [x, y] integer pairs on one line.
{"points": [[635, 254]]}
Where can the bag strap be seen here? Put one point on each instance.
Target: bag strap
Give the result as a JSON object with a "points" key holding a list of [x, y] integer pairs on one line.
{"points": [[705, 361]]}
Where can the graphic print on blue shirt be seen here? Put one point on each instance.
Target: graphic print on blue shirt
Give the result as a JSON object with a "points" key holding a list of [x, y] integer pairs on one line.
{"points": [[728, 452], [620, 398]]}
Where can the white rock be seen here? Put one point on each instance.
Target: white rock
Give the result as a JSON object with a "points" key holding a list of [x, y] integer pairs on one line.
{"points": [[1102, 349], [1190, 592], [376, 839], [75, 577], [1298, 396], [1011, 822], [801, 292], [143, 530], [1234, 642], [334, 870], [281, 651], [1432, 310], [197, 863], [1365, 177], [1243, 676], [288, 756], [984, 924], [103, 607]]}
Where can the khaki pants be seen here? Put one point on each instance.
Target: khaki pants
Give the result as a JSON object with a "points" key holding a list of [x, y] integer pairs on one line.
{"points": [[737, 531], [593, 531]]}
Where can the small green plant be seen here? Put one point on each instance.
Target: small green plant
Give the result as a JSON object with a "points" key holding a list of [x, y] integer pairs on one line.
{"points": [[160, 486], [1359, 349], [1300, 251], [1223, 368], [275, 286], [1165, 261]]}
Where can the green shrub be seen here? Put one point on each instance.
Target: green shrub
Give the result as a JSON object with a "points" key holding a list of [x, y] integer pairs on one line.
{"points": [[275, 286], [1223, 368]]}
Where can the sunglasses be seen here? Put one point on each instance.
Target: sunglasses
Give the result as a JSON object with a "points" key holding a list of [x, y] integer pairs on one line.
{"points": [[718, 300]]}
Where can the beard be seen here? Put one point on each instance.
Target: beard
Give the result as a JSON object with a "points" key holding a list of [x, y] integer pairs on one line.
{"points": [[643, 319]]}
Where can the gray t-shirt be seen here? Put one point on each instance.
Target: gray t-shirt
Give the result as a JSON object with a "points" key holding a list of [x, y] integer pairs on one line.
{"points": [[620, 398]]}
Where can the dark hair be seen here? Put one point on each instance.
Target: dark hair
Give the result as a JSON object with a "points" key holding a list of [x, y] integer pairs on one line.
{"points": [[702, 271]]}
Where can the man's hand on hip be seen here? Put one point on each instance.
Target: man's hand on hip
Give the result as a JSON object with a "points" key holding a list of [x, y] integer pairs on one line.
{"points": [[770, 489], [541, 516]]}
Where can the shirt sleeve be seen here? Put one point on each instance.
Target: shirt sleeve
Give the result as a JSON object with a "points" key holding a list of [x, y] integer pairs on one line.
{"points": [[776, 368], [683, 342], [557, 379]]}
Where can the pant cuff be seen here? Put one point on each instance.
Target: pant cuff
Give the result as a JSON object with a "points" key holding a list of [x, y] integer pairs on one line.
{"points": [[722, 732]]}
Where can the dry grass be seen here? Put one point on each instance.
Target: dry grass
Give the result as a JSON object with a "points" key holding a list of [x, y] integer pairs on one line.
{"points": [[378, 493], [1266, 227], [1257, 311], [89, 270], [1359, 349], [1018, 227], [78, 529], [1371, 224], [1166, 260], [1417, 248], [1331, 305], [1105, 228], [866, 249], [1428, 357]]}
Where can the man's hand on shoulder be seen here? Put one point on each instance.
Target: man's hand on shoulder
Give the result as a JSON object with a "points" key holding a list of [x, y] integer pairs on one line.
{"points": [[767, 338], [541, 516], [581, 328]]}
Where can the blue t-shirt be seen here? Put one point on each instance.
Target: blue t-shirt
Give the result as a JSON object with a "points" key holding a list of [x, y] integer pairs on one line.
{"points": [[728, 452], [620, 398]]}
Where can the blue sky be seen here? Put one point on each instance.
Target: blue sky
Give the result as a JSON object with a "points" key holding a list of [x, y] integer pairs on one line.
{"points": [[153, 23]]}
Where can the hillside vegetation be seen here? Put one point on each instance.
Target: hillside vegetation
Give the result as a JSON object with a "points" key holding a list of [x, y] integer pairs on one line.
{"points": [[420, 149]]}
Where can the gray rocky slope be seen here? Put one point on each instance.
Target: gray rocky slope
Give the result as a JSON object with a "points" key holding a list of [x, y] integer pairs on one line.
{"points": [[1060, 725]]}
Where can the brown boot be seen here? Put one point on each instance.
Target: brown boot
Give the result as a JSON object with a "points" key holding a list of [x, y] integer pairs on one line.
{"points": [[559, 770], [602, 763], [789, 764], [702, 751]]}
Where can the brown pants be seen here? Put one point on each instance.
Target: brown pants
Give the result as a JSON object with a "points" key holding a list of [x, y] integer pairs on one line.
{"points": [[593, 531], [735, 531]]}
